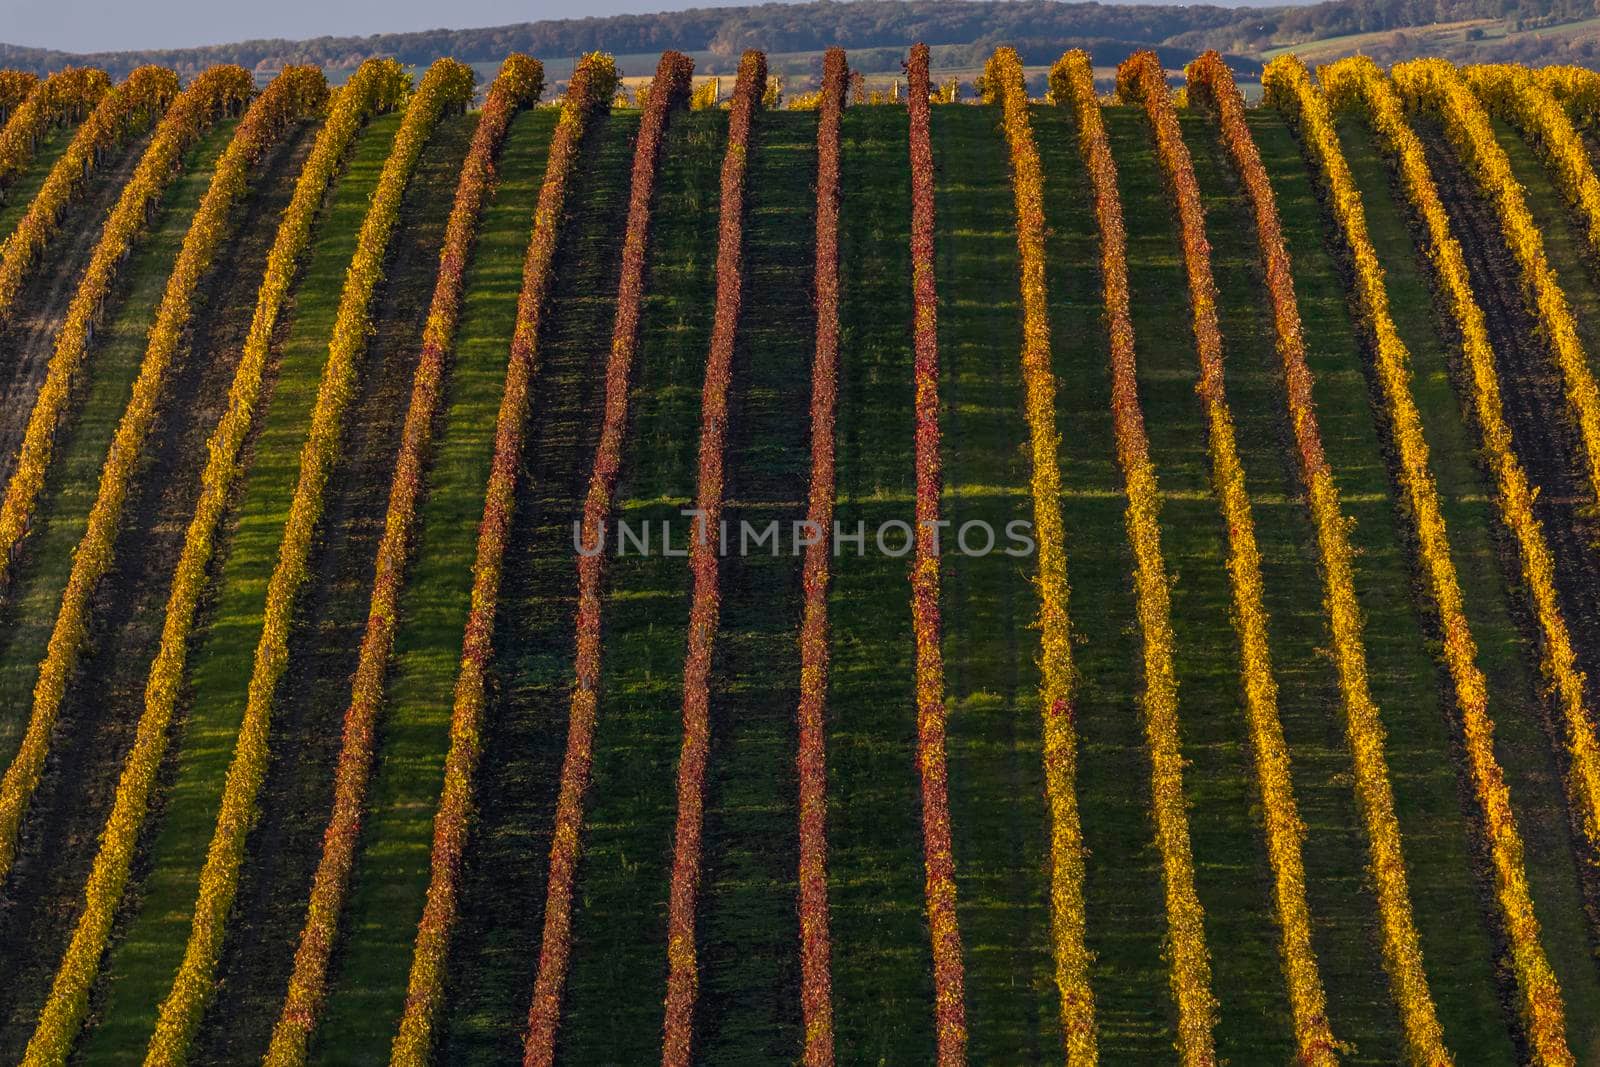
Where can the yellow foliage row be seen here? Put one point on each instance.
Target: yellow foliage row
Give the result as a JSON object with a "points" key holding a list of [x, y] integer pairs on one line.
{"points": [[208, 98], [447, 84], [127, 109], [377, 85], [1515, 496], [1539, 994], [15, 85], [1284, 830], [1189, 960], [590, 91], [1436, 85], [66, 96], [1211, 81], [1576, 89], [1003, 81], [294, 94]]}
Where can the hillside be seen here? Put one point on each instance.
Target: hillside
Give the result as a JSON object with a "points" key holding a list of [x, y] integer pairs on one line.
{"points": [[867, 574]]}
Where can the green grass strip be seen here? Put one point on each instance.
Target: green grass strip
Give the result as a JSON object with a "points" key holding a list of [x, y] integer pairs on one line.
{"points": [[883, 969], [997, 789], [1565, 244], [749, 1003]]}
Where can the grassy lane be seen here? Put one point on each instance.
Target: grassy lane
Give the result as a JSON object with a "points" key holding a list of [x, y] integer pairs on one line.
{"points": [[284, 846], [998, 811], [138, 970], [619, 958], [1231, 873], [882, 961], [434, 603], [1343, 910], [1123, 899], [20, 193], [29, 610], [749, 1009], [368, 981], [1493, 601], [95, 729]]}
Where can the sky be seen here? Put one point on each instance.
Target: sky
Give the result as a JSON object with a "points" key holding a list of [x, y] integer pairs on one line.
{"points": [[114, 25]]}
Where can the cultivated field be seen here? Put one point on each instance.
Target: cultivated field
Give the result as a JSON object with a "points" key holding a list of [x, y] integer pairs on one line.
{"points": [[624, 569]]}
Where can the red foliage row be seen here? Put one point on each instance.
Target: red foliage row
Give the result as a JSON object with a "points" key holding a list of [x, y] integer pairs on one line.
{"points": [[589, 93], [682, 973], [669, 89], [816, 988], [938, 854], [518, 85]]}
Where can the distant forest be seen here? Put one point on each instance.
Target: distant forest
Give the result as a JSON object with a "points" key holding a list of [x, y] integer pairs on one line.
{"points": [[720, 34]]}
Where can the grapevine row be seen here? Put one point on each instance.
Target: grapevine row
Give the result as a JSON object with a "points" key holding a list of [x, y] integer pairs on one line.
{"points": [[816, 988], [1211, 81], [670, 89], [1576, 89], [1142, 78], [1515, 496], [1539, 995], [938, 854], [214, 94], [15, 85], [447, 84], [1003, 83], [588, 95], [296, 93], [124, 111], [376, 86], [1435, 84], [682, 965], [61, 99], [1189, 961], [519, 85]]}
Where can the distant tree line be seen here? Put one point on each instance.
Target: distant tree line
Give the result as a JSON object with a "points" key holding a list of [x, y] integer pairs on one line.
{"points": [[1039, 28]]}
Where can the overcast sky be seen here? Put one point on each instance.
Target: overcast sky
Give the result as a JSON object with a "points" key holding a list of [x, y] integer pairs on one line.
{"points": [[106, 25]]}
